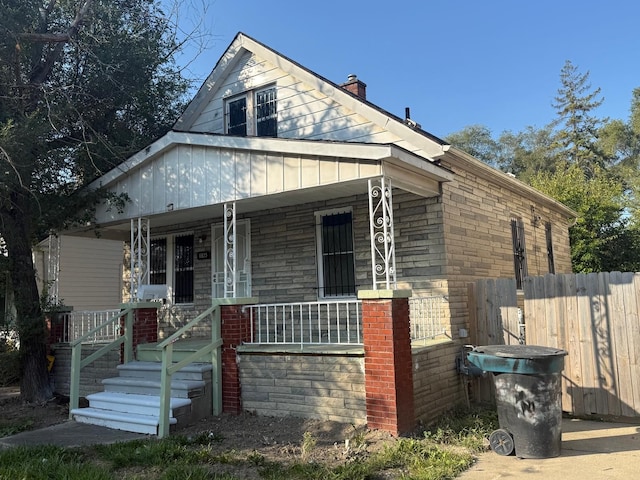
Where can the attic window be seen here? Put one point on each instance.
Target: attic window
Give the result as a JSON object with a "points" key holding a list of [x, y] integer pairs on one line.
{"points": [[253, 113], [237, 115]]}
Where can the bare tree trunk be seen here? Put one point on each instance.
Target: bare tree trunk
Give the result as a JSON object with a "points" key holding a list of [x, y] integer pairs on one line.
{"points": [[34, 383]]}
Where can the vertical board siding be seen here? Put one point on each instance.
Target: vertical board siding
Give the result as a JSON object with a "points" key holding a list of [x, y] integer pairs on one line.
{"points": [[188, 176], [594, 317]]}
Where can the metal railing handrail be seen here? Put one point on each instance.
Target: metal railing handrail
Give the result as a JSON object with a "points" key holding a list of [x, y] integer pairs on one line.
{"points": [[274, 315], [78, 363], [75, 321]]}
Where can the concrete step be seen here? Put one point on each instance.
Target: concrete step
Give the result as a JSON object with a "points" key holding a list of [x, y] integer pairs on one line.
{"points": [[120, 421], [142, 386], [137, 404], [151, 370], [181, 349]]}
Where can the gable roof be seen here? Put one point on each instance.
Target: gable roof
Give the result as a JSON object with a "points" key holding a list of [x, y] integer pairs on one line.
{"points": [[431, 144]]}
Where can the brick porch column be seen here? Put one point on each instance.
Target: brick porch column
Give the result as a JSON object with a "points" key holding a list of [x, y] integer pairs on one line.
{"points": [[235, 328], [145, 324], [387, 360]]}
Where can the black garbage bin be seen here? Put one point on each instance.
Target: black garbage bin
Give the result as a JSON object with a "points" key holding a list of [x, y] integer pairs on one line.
{"points": [[528, 396]]}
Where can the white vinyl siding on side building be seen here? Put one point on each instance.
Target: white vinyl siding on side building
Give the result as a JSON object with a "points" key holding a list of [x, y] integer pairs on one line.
{"points": [[90, 276]]}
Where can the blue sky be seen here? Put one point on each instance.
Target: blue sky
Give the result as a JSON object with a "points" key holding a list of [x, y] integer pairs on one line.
{"points": [[455, 63]]}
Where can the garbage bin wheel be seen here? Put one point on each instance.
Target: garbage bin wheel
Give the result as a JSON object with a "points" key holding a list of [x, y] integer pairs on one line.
{"points": [[501, 442]]}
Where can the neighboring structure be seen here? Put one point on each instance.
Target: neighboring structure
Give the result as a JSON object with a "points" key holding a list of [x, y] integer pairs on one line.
{"points": [[85, 273], [281, 185]]}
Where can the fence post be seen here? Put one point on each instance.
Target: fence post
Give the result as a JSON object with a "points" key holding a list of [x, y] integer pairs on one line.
{"points": [[387, 360], [235, 328]]}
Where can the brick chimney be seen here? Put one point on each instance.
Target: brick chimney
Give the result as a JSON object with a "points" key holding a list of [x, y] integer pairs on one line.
{"points": [[355, 86]]}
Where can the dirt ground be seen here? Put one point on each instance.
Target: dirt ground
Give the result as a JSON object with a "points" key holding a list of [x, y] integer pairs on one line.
{"points": [[275, 438]]}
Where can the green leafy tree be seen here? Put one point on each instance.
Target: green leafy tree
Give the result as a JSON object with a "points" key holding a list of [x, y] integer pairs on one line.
{"points": [[600, 239], [528, 152], [477, 140], [621, 142], [83, 84]]}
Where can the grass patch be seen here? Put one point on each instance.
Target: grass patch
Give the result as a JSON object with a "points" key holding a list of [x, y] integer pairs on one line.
{"points": [[13, 427], [441, 452]]}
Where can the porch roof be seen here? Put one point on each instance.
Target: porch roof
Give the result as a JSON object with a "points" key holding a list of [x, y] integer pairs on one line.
{"points": [[184, 177]]}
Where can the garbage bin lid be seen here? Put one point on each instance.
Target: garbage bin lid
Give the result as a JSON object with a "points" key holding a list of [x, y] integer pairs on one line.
{"points": [[520, 351]]}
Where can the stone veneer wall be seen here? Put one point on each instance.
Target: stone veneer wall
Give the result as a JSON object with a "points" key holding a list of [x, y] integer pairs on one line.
{"points": [[91, 376], [477, 210], [327, 387], [437, 386]]}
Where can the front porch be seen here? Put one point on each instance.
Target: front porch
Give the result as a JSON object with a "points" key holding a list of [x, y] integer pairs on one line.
{"points": [[314, 379]]}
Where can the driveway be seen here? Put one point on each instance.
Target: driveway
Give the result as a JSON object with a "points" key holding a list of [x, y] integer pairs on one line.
{"points": [[590, 451]]}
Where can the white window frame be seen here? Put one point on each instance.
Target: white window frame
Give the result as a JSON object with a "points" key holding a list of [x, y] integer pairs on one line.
{"points": [[170, 272], [319, 251], [251, 109]]}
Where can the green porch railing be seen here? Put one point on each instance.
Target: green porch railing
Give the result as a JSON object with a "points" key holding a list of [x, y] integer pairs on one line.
{"points": [[126, 339], [213, 349], [169, 367]]}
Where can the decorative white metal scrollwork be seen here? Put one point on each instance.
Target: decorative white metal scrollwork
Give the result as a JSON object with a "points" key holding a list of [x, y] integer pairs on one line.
{"points": [[383, 259], [140, 253], [230, 256]]}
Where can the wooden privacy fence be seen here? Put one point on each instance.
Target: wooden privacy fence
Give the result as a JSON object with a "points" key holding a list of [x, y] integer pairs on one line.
{"points": [[594, 317]]}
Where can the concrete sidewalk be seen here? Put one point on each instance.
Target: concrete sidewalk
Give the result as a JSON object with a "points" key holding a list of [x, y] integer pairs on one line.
{"points": [[70, 434], [590, 451]]}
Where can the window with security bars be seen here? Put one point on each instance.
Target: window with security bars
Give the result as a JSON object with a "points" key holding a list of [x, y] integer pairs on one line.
{"points": [[266, 113], [183, 274], [237, 116], [519, 251], [158, 262], [547, 234], [171, 263], [336, 256], [253, 113]]}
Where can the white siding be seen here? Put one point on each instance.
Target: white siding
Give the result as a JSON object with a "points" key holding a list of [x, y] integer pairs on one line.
{"points": [[303, 112], [90, 276], [224, 174]]}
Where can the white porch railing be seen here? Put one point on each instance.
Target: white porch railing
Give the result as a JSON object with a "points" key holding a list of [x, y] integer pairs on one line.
{"points": [[307, 323], [427, 318], [77, 324], [337, 322]]}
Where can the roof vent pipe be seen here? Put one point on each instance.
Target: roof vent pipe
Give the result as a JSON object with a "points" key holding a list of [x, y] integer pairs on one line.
{"points": [[407, 119]]}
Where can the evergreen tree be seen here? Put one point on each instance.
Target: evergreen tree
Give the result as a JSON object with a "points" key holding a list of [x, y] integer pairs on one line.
{"points": [[577, 135]]}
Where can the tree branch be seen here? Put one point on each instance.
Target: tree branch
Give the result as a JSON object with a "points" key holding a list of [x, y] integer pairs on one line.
{"points": [[45, 37], [43, 69]]}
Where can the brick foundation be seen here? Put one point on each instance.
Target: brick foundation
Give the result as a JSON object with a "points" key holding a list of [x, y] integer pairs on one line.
{"points": [[388, 360]]}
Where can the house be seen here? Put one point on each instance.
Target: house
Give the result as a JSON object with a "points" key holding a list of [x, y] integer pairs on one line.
{"points": [[284, 187]]}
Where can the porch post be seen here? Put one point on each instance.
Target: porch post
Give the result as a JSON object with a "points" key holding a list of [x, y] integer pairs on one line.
{"points": [[230, 251], [140, 255], [387, 360], [383, 252], [235, 328]]}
